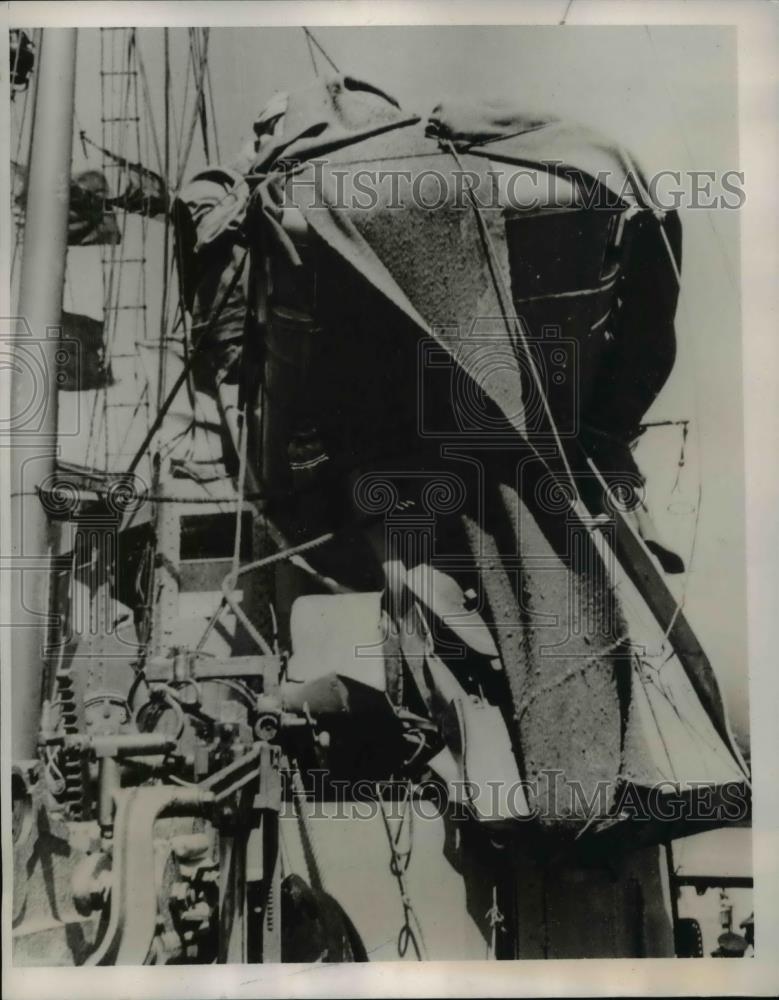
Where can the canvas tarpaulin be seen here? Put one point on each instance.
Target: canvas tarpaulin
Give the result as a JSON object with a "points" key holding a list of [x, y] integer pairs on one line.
{"points": [[91, 220], [144, 191], [392, 241], [206, 215], [82, 364], [420, 262]]}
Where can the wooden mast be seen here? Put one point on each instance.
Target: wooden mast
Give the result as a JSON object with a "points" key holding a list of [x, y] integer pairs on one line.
{"points": [[34, 382]]}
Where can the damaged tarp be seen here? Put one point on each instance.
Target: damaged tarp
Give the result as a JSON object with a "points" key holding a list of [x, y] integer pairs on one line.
{"points": [[211, 207], [143, 192], [207, 213], [500, 131], [595, 291], [422, 212], [451, 316], [327, 116], [22, 56], [642, 347], [91, 220], [82, 358]]}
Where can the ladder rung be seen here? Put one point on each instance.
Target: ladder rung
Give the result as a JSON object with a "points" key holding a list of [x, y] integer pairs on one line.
{"points": [[118, 308], [118, 72], [122, 118]]}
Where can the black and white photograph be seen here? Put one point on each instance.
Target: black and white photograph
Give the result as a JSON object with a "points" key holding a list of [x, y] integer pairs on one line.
{"points": [[377, 507]]}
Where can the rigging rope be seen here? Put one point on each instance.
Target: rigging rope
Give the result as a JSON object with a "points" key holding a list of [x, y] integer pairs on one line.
{"points": [[503, 295], [162, 366], [299, 798], [681, 600], [197, 110], [495, 920], [202, 101], [514, 326], [229, 582], [213, 113], [312, 38], [149, 110], [182, 376], [311, 53]]}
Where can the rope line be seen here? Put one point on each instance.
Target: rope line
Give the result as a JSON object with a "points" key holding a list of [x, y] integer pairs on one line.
{"points": [[514, 326], [182, 377], [196, 111], [312, 38], [411, 932], [310, 47]]}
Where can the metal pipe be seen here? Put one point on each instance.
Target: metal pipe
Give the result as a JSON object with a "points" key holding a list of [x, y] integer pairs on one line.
{"points": [[703, 882], [34, 418], [109, 781], [673, 893]]}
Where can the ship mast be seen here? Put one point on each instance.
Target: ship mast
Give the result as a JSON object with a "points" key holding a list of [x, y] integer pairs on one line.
{"points": [[36, 343]]}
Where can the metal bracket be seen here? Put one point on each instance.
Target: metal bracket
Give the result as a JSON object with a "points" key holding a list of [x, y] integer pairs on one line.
{"points": [[133, 916]]}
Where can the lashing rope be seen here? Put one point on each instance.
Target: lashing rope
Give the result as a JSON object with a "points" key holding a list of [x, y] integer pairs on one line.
{"points": [[514, 326], [411, 932]]}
